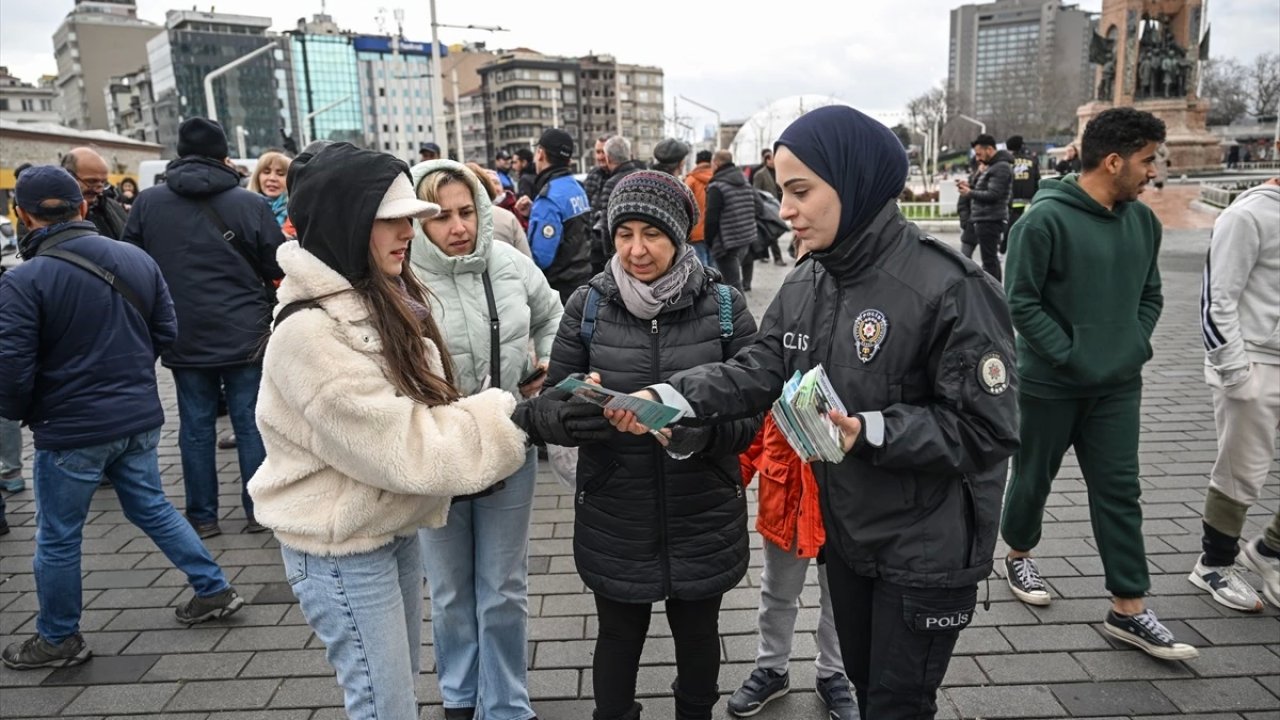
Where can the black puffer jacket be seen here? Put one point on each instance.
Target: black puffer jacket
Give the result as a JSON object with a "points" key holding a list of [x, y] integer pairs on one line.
{"points": [[920, 505], [731, 211], [648, 527], [989, 197], [224, 312]]}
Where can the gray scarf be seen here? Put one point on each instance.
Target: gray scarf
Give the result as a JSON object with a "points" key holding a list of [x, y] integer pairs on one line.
{"points": [[646, 300]]}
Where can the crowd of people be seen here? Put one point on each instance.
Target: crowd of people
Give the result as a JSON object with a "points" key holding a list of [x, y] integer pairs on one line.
{"points": [[388, 342]]}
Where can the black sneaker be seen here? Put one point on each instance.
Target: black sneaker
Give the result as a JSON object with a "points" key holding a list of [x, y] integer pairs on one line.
{"points": [[838, 697], [253, 527], [762, 687], [206, 530], [199, 609], [36, 652], [1025, 581], [1145, 632]]}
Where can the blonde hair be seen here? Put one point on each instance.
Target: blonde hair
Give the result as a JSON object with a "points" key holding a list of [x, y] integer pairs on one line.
{"points": [[268, 160], [485, 181], [429, 187]]}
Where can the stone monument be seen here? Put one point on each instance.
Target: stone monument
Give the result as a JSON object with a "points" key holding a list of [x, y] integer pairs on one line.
{"points": [[1148, 54]]}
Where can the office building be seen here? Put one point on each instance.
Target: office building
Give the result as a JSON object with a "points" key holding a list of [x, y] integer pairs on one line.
{"points": [[255, 101], [470, 110], [326, 81], [98, 39], [524, 93], [616, 98], [395, 88], [1020, 65], [130, 110], [24, 102]]}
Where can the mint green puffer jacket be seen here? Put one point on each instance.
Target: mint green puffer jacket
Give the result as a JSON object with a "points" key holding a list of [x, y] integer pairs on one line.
{"points": [[528, 309]]}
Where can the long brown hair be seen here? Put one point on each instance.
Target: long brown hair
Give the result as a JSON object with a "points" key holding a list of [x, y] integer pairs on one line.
{"points": [[401, 333]]}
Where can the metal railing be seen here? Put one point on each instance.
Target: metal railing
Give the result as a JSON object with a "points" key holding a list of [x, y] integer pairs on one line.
{"points": [[925, 211]]}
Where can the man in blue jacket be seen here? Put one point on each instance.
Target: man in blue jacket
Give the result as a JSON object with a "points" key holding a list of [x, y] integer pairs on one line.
{"points": [[85, 318], [559, 221], [216, 244]]}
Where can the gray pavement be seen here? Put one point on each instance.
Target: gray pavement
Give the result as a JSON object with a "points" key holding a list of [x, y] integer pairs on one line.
{"points": [[1014, 662]]}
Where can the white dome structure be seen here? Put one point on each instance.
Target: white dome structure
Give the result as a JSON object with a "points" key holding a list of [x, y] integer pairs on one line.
{"points": [[762, 129]]}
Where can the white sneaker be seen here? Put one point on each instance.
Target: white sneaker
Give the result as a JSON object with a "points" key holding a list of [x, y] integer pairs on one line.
{"points": [[1268, 568], [1226, 586]]}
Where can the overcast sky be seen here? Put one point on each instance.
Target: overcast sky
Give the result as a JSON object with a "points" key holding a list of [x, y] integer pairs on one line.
{"points": [[873, 54]]}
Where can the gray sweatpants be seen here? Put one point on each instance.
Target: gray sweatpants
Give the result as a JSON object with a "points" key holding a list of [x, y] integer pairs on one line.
{"points": [[780, 586]]}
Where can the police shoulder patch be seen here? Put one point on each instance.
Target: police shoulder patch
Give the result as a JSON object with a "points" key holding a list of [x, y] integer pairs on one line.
{"points": [[548, 231], [993, 375], [869, 330]]}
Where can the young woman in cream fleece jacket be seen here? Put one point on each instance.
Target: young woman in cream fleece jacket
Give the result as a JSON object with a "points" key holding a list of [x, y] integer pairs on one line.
{"points": [[367, 437]]}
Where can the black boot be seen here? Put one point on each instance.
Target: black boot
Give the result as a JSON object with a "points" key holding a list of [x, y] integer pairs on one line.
{"points": [[692, 707], [632, 714]]}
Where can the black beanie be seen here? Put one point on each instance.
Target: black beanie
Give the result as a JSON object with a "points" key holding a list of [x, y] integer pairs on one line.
{"points": [[202, 137]]}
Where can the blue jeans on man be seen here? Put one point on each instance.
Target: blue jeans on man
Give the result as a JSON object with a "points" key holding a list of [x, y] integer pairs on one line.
{"points": [[704, 254], [65, 481], [198, 391]]}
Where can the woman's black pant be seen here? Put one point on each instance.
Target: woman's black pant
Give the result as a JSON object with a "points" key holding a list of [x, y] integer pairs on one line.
{"points": [[896, 640], [623, 627]]}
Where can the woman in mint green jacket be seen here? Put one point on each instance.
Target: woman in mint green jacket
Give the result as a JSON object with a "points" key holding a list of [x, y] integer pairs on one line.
{"points": [[499, 318]]}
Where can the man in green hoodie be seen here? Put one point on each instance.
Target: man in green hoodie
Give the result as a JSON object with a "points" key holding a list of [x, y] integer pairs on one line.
{"points": [[1084, 291]]}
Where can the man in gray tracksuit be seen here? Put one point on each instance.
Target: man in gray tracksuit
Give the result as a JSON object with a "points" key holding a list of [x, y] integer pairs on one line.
{"points": [[1240, 318]]}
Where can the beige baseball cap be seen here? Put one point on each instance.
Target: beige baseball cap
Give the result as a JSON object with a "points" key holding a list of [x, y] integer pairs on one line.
{"points": [[401, 202]]}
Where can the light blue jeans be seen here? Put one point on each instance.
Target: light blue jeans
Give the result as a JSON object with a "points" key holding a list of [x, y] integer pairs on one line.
{"points": [[367, 609], [477, 566]]}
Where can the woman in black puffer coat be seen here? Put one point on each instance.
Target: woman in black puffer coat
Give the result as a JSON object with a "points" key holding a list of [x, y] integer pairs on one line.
{"points": [[656, 518]]}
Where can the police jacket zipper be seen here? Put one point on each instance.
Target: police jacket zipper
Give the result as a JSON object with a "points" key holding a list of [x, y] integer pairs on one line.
{"points": [[660, 473], [824, 487]]}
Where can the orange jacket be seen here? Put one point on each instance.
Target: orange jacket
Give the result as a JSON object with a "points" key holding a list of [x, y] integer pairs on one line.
{"points": [[697, 180], [788, 514]]}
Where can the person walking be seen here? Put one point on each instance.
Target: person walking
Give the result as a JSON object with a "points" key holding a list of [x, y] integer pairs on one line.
{"points": [[911, 512], [989, 201], [731, 218], [216, 243], [85, 318], [1240, 315], [1083, 338], [657, 519], [697, 181], [1025, 183], [492, 304], [367, 435]]}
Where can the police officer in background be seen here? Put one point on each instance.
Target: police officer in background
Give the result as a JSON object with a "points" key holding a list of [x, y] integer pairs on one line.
{"points": [[918, 343], [560, 218], [1026, 180]]}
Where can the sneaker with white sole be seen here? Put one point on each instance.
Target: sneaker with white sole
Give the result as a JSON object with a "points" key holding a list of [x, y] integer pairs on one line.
{"points": [[199, 609], [36, 652], [1268, 568], [1025, 581], [762, 687], [1226, 586], [1146, 633]]}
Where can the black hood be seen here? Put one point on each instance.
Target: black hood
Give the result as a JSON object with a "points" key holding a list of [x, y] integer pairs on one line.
{"points": [[730, 174], [1002, 156], [333, 198], [197, 176]]}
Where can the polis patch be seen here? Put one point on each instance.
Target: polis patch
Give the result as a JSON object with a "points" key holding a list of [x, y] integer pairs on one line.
{"points": [[869, 331], [942, 622], [993, 375]]}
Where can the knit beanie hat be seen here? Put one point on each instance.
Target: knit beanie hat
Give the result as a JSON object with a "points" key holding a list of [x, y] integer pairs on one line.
{"points": [[202, 137], [656, 198]]}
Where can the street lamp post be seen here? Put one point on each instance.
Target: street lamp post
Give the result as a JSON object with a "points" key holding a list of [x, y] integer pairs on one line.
{"points": [[437, 77], [982, 127], [713, 112], [306, 120], [211, 107]]}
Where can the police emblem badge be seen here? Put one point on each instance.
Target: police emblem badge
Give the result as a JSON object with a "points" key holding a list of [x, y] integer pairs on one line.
{"points": [[548, 232], [992, 373], [869, 331]]}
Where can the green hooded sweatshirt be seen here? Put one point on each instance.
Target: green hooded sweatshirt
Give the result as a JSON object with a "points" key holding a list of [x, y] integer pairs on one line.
{"points": [[1084, 291]]}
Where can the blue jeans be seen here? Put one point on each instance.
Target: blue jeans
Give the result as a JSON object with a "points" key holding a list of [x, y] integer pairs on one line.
{"points": [[10, 446], [367, 609], [477, 566], [700, 249], [65, 481], [198, 390]]}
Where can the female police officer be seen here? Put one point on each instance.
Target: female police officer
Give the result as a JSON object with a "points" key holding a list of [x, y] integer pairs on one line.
{"points": [[918, 343]]}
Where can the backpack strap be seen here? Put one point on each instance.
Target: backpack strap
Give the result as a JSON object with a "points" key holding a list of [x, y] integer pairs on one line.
{"points": [[726, 316], [589, 309], [292, 308]]}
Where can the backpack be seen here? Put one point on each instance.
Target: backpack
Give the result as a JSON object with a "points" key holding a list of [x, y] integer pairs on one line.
{"points": [[592, 306]]}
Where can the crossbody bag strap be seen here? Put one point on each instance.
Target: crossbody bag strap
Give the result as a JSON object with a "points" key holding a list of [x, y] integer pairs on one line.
{"points": [[101, 273], [495, 337], [236, 241]]}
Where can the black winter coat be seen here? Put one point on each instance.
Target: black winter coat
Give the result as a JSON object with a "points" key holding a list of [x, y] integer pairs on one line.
{"points": [[649, 527], [224, 314], [989, 196], [918, 503], [731, 211]]}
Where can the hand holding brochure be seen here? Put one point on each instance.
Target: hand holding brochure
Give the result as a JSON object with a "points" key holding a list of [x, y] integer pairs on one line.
{"points": [[652, 415], [802, 416]]}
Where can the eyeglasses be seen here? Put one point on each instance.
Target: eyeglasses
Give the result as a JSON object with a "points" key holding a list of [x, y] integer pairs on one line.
{"points": [[96, 185]]}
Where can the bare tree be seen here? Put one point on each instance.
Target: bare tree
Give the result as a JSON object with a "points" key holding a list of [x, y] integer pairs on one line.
{"points": [[926, 114], [1224, 83], [1263, 85]]}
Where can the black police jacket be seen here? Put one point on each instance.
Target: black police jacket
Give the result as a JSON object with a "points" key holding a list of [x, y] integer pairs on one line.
{"points": [[918, 340]]}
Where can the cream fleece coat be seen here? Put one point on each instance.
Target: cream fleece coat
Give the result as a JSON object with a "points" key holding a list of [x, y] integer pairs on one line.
{"points": [[351, 464]]}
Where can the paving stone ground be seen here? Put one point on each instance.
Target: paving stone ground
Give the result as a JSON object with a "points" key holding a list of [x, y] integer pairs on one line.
{"points": [[1014, 662]]}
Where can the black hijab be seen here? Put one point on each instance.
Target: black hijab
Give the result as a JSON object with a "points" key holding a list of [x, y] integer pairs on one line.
{"points": [[858, 156], [334, 194]]}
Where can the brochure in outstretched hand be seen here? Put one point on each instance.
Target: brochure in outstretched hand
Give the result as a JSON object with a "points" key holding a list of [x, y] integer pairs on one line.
{"points": [[652, 415], [801, 415]]}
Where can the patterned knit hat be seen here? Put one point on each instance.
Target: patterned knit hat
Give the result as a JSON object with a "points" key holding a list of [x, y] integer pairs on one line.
{"points": [[656, 198]]}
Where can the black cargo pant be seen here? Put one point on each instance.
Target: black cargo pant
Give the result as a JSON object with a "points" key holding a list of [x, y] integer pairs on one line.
{"points": [[896, 640], [988, 235]]}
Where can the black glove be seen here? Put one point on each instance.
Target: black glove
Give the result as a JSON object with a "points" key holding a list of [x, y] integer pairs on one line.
{"points": [[688, 440], [558, 418]]}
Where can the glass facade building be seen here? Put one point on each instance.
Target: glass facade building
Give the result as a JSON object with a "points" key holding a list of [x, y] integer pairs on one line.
{"points": [[395, 85], [325, 76]]}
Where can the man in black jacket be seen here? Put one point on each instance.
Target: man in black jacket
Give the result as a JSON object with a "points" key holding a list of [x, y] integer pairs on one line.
{"points": [[989, 200], [1026, 181], [618, 164], [216, 244], [559, 221], [918, 343], [731, 219], [91, 171]]}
